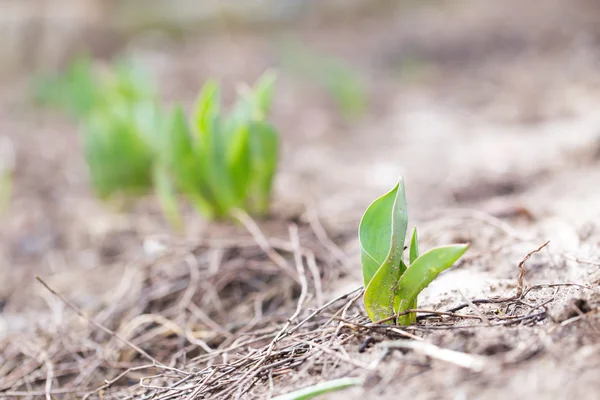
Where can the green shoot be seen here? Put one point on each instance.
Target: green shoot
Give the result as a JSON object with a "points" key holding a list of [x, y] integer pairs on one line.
{"points": [[341, 83], [219, 161], [222, 162], [392, 286], [119, 117], [319, 389]]}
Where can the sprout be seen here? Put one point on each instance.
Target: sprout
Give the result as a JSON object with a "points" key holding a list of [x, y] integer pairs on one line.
{"points": [[392, 286], [222, 162]]}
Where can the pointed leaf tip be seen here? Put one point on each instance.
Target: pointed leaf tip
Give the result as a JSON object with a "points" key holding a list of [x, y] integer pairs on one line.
{"points": [[382, 232]]}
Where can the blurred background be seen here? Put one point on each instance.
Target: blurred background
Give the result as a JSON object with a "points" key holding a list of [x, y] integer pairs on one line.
{"points": [[487, 108], [478, 103]]}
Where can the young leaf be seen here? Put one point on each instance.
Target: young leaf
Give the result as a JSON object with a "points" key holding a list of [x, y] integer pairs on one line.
{"points": [[413, 255], [382, 227], [414, 246], [384, 222], [178, 137], [184, 161], [319, 389], [238, 160], [421, 273], [205, 112], [167, 197], [119, 160], [264, 155], [211, 149]]}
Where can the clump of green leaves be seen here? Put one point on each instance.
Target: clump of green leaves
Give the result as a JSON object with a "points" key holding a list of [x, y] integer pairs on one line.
{"points": [[73, 91], [83, 88], [224, 161], [117, 109], [391, 284]]}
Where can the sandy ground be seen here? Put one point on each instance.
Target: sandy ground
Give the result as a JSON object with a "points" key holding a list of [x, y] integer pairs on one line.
{"points": [[497, 135]]}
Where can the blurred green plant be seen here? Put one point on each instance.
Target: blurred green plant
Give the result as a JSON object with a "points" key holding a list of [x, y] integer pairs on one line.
{"points": [[117, 109], [72, 91], [117, 151], [392, 286], [132, 144], [220, 161], [336, 77], [83, 89], [319, 389]]}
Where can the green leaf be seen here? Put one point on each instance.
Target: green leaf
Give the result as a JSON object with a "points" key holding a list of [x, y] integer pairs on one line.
{"points": [[178, 139], [383, 227], [382, 231], [206, 110], [263, 94], [414, 254], [211, 150], [119, 160], [239, 161], [414, 246], [241, 113], [264, 157], [184, 161], [421, 273], [321, 388], [167, 196]]}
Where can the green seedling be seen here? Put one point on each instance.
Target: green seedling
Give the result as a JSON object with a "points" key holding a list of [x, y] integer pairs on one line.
{"points": [[321, 388], [222, 162], [117, 151], [82, 89], [118, 134], [392, 285]]}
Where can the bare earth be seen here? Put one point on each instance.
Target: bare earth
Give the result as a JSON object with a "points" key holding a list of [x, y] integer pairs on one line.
{"points": [[493, 121]]}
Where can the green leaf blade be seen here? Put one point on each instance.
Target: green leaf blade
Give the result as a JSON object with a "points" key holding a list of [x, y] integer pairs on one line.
{"points": [[382, 230], [414, 247], [238, 160], [167, 196], [263, 94], [264, 158], [421, 273], [413, 255], [379, 294], [206, 110]]}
